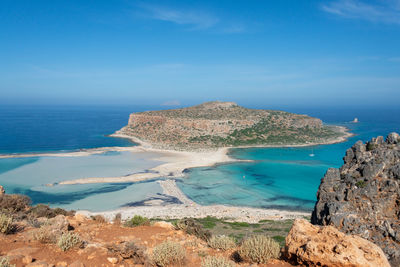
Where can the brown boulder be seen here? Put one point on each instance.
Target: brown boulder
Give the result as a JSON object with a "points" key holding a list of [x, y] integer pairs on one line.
{"points": [[312, 245]]}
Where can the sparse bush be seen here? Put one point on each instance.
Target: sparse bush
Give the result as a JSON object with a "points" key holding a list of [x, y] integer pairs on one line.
{"points": [[117, 219], [129, 250], [212, 261], [99, 218], [14, 203], [68, 241], [6, 224], [361, 184], [4, 262], [191, 227], [168, 253], [42, 210], [259, 249], [221, 242], [137, 220], [43, 235]]}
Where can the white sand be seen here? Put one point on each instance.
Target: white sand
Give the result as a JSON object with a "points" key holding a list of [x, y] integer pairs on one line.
{"points": [[174, 164], [190, 209]]}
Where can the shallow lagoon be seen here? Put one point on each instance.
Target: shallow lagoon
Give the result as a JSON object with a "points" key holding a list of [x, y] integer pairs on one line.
{"points": [[31, 175]]}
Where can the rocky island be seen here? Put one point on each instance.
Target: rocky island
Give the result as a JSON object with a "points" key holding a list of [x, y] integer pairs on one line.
{"points": [[226, 124]]}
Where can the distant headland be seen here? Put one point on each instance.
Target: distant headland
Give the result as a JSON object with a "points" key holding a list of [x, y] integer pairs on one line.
{"points": [[226, 124]]}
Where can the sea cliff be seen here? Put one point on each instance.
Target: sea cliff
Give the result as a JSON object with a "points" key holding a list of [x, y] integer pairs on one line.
{"points": [[363, 196]]}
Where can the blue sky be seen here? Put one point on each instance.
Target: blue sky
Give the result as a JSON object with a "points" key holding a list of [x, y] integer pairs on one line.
{"points": [[329, 53]]}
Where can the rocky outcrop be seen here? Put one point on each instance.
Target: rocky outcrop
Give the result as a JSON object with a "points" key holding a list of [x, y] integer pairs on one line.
{"points": [[363, 196], [311, 245], [222, 124]]}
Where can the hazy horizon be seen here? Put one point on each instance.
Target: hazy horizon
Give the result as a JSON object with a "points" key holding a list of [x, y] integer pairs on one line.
{"points": [[172, 53]]}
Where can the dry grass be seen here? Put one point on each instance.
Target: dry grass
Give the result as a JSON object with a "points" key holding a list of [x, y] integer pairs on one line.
{"points": [[4, 262], [99, 218], [6, 224], [168, 253], [259, 249], [43, 235], [221, 242], [212, 261]]}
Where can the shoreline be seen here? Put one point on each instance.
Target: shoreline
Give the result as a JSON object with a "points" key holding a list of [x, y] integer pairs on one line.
{"points": [[174, 163], [191, 209]]}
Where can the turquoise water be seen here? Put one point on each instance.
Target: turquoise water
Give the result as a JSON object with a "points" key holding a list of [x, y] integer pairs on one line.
{"points": [[31, 176], [284, 178]]}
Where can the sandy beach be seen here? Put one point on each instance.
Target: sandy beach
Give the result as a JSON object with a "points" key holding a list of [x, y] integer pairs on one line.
{"points": [[173, 165], [189, 208]]}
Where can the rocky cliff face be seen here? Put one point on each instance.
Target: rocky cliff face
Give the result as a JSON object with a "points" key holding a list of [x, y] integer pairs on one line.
{"points": [[363, 196], [217, 124]]}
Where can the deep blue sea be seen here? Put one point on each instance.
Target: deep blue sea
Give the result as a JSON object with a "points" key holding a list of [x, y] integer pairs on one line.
{"points": [[283, 178]]}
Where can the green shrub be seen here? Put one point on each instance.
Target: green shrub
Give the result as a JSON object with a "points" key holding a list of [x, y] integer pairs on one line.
{"points": [[6, 224], [221, 242], [191, 227], [4, 262], [137, 220], [68, 241], [361, 184], [259, 249], [168, 253], [212, 261], [371, 146]]}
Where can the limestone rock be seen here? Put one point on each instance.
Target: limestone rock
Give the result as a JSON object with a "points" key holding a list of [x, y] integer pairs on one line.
{"points": [[311, 245], [112, 260], [165, 225], [363, 196]]}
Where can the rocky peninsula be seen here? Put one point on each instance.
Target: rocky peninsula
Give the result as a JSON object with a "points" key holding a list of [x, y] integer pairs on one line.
{"points": [[226, 124]]}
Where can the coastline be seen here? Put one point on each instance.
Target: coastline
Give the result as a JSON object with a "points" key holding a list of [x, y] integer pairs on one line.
{"points": [[174, 163], [190, 209]]}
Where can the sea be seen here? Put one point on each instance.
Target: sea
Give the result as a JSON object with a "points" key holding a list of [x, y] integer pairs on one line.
{"points": [[278, 178]]}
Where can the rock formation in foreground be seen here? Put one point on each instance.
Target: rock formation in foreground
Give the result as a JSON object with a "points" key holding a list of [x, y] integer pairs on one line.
{"points": [[363, 197], [310, 245], [226, 124]]}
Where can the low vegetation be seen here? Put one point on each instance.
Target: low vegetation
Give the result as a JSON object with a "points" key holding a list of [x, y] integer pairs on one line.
{"points": [[137, 221], [192, 227], [129, 250], [6, 224], [4, 262], [68, 241], [43, 235], [212, 261], [221, 242], [259, 249], [168, 253]]}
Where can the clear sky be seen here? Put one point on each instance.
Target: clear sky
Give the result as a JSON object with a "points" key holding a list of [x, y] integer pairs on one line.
{"points": [[283, 52]]}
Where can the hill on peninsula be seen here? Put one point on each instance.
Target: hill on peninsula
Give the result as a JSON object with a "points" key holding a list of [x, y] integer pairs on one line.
{"points": [[226, 124]]}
